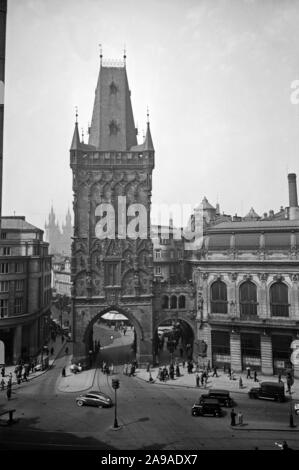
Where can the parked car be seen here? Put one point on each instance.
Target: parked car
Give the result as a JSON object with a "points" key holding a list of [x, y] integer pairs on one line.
{"points": [[296, 408], [94, 398], [268, 391], [222, 396], [208, 407]]}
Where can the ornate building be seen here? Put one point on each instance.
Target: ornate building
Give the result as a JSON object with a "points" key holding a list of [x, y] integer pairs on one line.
{"points": [[59, 240], [247, 278], [111, 273]]}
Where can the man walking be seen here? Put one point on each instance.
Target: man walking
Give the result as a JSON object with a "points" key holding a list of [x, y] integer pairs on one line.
{"points": [[215, 372], [197, 379], [8, 393], [255, 376], [233, 417], [3, 371], [248, 372]]}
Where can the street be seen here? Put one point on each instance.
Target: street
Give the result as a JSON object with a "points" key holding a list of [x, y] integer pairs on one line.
{"points": [[151, 416]]}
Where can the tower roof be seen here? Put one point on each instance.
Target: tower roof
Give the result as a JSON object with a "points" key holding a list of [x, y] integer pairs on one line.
{"points": [[252, 214], [76, 139], [112, 126]]}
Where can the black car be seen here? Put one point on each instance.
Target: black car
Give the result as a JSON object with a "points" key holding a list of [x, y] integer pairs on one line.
{"points": [[222, 396], [268, 391], [94, 398], [208, 407]]}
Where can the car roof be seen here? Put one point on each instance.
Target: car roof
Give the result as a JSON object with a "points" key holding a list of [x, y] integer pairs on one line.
{"points": [[211, 401], [276, 384], [221, 392], [95, 392]]}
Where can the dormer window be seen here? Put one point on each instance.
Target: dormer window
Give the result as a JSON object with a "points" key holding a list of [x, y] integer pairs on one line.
{"points": [[113, 88], [113, 127]]}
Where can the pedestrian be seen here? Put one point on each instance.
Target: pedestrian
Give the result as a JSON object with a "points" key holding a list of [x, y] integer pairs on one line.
{"points": [[8, 393], [2, 384], [197, 379], [215, 372], [206, 380], [240, 418], [125, 369], [255, 376], [177, 371], [32, 366], [202, 378], [3, 371], [148, 367], [229, 373], [240, 382], [63, 372], [289, 384], [233, 417], [209, 366], [25, 377], [248, 372], [279, 378]]}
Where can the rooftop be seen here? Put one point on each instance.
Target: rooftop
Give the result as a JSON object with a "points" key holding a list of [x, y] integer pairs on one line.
{"points": [[17, 222]]}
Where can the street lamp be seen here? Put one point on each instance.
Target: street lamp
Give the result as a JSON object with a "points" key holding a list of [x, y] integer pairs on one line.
{"points": [[115, 385]]}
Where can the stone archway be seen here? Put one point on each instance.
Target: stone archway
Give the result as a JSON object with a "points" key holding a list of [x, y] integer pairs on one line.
{"points": [[138, 330], [175, 334]]}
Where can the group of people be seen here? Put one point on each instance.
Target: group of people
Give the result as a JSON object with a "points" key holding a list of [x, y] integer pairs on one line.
{"points": [[165, 373], [22, 371], [234, 415], [130, 368], [106, 369]]}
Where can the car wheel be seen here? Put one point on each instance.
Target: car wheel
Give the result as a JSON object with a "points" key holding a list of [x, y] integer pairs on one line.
{"points": [[297, 412], [80, 403]]}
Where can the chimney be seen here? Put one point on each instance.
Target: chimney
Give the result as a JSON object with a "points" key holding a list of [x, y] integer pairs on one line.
{"points": [[293, 198]]}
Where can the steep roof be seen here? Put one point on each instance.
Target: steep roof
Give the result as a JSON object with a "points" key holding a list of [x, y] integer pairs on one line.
{"points": [[252, 214], [112, 126]]}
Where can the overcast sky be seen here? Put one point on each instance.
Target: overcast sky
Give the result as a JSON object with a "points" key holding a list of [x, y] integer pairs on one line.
{"points": [[216, 76]]}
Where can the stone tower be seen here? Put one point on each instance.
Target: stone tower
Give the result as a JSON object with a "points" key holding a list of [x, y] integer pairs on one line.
{"points": [[113, 272]]}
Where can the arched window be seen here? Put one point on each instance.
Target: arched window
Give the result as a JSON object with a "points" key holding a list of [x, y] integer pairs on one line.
{"points": [[279, 300], [165, 301], [248, 299], [173, 302], [182, 301], [218, 297]]}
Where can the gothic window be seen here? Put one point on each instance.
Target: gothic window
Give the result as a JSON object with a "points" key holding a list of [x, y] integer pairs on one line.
{"points": [[182, 301], [113, 88], [111, 274], [248, 299], [173, 301], [218, 297], [165, 301], [279, 300], [113, 127]]}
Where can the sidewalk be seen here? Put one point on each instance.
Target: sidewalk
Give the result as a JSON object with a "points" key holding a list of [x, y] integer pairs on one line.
{"points": [[221, 382], [57, 346], [75, 382]]}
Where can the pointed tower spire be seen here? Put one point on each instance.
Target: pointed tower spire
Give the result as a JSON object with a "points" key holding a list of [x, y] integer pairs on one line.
{"points": [[76, 139], [125, 56], [148, 142], [112, 125]]}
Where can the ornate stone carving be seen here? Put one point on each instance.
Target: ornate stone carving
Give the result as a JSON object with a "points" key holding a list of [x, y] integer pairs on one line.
{"points": [[233, 276], [278, 278], [294, 277], [263, 277], [247, 277], [205, 276]]}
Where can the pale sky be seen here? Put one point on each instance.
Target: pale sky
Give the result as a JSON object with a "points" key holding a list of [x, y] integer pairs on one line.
{"points": [[216, 75]]}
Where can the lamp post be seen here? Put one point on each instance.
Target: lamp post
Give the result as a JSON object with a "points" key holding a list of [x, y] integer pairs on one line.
{"points": [[115, 385]]}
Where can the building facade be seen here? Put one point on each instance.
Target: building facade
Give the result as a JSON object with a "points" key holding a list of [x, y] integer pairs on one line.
{"points": [[247, 278], [25, 289], [61, 277]]}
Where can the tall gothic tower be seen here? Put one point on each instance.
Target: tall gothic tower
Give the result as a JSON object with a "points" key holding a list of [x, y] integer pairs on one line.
{"points": [[114, 272]]}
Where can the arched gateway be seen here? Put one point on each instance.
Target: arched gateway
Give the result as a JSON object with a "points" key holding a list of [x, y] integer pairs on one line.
{"points": [[112, 250]]}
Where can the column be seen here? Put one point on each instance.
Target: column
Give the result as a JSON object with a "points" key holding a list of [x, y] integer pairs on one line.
{"points": [[266, 355], [235, 352], [17, 343]]}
